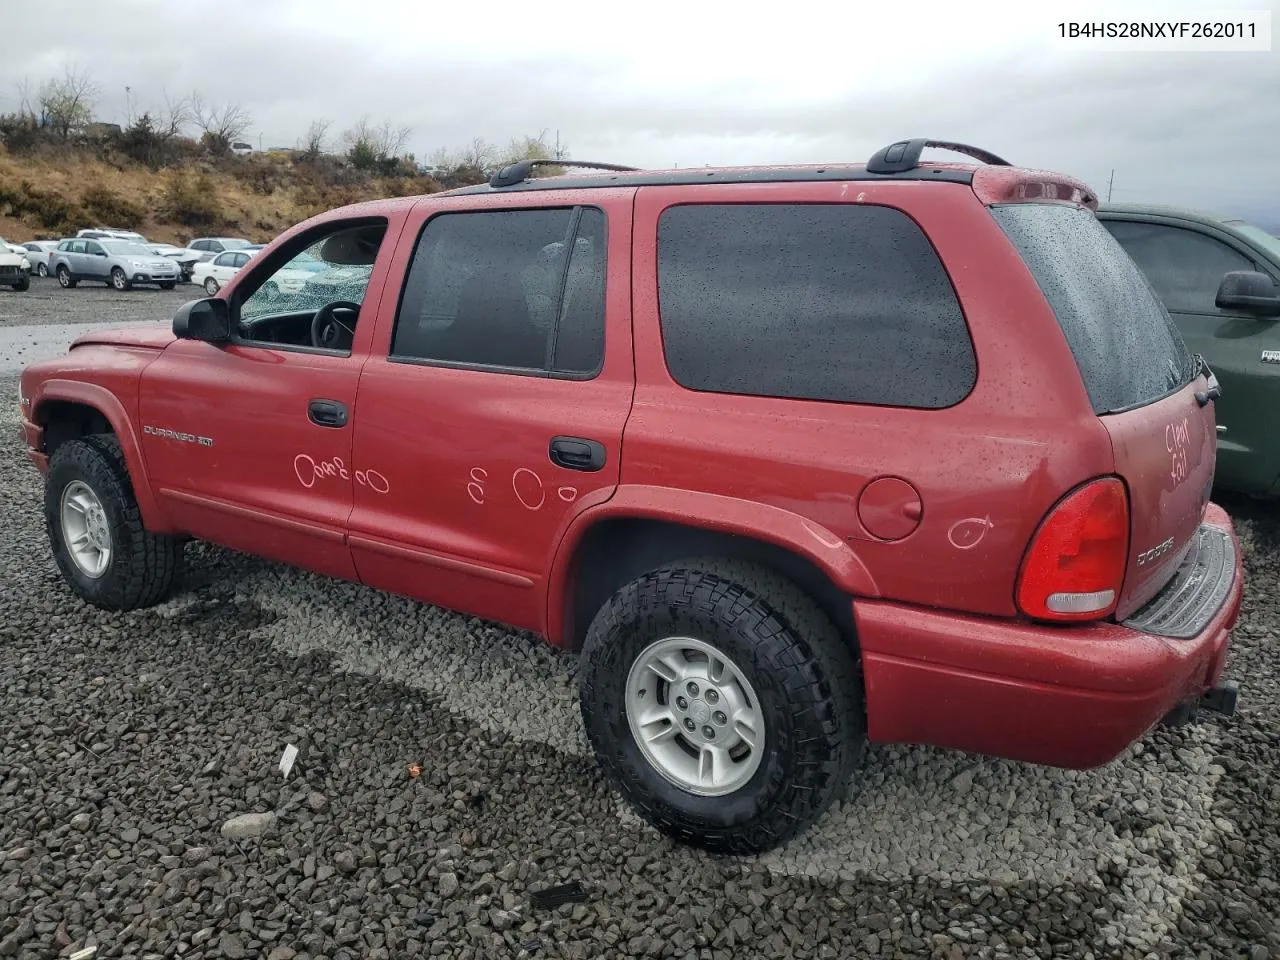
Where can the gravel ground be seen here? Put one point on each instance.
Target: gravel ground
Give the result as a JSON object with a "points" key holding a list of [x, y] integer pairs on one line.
{"points": [[131, 740], [46, 302]]}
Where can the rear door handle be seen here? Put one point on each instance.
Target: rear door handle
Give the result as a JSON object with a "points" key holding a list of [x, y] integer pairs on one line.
{"points": [[577, 453], [327, 413]]}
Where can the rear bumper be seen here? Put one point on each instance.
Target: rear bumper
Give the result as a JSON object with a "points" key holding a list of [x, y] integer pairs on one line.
{"points": [[1061, 696]]}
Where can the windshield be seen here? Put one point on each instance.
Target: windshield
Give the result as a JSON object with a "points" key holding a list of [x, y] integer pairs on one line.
{"points": [[1259, 236], [235, 244], [1124, 342], [126, 248]]}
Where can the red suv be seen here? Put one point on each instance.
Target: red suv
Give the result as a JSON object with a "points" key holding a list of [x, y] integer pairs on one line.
{"points": [[799, 457]]}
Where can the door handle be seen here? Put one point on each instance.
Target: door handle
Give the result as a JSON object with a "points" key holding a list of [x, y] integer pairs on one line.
{"points": [[327, 413], [577, 453]]}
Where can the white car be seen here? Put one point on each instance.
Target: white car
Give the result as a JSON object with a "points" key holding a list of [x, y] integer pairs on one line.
{"points": [[214, 273], [15, 268], [38, 254]]}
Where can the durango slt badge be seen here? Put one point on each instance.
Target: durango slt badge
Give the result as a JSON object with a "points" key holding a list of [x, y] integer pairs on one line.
{"points": [[168, 434], [1159, 550]]}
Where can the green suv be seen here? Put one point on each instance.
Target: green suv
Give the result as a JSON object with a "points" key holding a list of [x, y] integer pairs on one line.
{"points": [[1220, 280]]}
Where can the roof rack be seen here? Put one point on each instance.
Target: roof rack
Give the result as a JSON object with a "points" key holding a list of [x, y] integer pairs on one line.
{"points": [[905, 155], [519, 171]]}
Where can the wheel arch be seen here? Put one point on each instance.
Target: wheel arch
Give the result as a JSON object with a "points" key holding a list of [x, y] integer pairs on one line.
{"points": [[67, 410], [641, 529]]}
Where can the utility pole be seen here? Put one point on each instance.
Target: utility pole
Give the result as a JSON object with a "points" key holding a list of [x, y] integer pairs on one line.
{"points": [[128, 106], [1110, 182], [559, 149]]}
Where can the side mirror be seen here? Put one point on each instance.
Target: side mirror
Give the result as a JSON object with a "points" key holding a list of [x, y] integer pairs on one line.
{"points": [[1250, 292], [208, 320]]}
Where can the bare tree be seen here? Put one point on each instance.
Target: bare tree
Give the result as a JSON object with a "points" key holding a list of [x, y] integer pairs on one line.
{"points": [[317, 134], [385, 141], [66, 104], [443, 158], [173, 119], [221, 125], [27, 99], [535, 148], [479, 154]]}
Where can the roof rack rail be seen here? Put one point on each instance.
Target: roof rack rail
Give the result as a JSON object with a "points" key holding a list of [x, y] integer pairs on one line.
{"points": [[519, 171], [905, 155]]}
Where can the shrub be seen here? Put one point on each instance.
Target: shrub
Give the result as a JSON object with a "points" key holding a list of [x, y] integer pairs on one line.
{"points": [[106, 206], [29, 202], [19, 132], [190, 201]]}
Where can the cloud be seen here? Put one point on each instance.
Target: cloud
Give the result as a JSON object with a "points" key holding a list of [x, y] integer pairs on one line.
{"points": [[668, 83]]}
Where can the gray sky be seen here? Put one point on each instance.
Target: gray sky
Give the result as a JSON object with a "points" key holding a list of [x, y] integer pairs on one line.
{"points": [[691, 83]]}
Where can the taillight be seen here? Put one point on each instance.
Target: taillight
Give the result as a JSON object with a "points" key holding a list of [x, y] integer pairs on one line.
{"points": [[1075, 566]]}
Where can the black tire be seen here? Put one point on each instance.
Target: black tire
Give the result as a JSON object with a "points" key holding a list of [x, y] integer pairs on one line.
{"points": [[168, 284], [211, 286], [804, 674], [119, 280], [65, 278], [144, 567], [42, 270], [24, 284]]}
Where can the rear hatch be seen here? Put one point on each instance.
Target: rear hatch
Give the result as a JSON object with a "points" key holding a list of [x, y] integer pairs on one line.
{"points": [[1140, 377]]}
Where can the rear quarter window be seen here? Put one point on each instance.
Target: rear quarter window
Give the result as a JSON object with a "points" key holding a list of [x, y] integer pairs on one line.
{"points": [[1126, 347], [839, 302]]}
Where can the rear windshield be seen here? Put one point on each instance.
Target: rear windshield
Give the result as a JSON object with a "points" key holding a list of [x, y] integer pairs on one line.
{"points": [[1126, 346]]}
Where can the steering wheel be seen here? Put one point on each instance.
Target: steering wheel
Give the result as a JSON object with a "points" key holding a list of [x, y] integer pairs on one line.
{"points": [[330, 333]]}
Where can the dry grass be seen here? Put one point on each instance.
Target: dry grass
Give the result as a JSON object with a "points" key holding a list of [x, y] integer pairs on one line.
{"points": [[49, 196]]}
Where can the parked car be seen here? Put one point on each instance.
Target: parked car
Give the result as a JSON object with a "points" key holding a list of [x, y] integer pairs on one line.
{"points": [[110, 233], [15, 268], [37, 253], [912, 454], [206, 248], [214, 273], [117, 263], [1219, 277], [185, 258]]}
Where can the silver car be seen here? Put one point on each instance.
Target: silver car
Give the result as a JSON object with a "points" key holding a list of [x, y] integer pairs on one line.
{"points": [[38, 252], [117, 263]]}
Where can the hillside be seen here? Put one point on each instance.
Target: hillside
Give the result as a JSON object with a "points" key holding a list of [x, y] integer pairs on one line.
{"points": [[53, 194]]}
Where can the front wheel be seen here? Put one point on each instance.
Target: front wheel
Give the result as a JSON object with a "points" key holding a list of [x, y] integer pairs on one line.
{"points": [[722, 703], [210, 286], [42, 270], [23, 284], [95, 529], [119, 280]]}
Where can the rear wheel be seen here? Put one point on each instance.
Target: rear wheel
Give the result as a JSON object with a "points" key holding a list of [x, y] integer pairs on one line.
{"points": [[210, 286], [722, 703], [42, 270], [65, 278], [119, 280], [95, 529]]}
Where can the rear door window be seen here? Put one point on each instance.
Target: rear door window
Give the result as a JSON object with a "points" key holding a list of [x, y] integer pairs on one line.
{"points": [[1126, 347], [840, 302]]}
